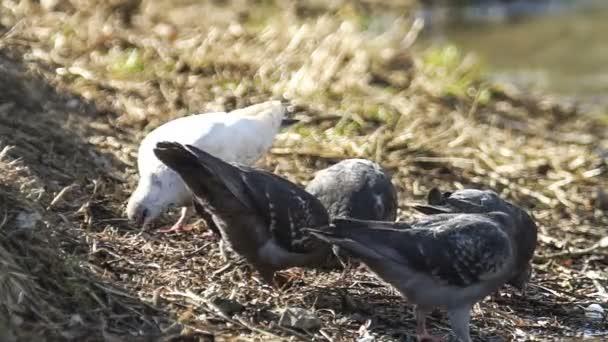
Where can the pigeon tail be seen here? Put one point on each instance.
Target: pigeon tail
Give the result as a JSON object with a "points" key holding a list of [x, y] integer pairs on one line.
{"points": [[430, 209], [177, 157], [342, 227], [360, 237], [333, 237], [344, 223], [201, 171]]}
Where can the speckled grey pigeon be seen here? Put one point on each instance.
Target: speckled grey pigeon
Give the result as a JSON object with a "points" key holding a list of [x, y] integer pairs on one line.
{"points": [[483, 201], [449, 261], [258, 213], [356, 188]]}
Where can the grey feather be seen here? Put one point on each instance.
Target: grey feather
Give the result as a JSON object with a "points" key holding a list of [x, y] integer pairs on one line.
{"points": [[484, 201], [356, 188], [449, 260]]}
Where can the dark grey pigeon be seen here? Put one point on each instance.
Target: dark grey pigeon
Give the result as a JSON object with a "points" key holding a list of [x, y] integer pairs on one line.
{"points": [[448, 261], [484, 201], [356, 188], [259, 214]]}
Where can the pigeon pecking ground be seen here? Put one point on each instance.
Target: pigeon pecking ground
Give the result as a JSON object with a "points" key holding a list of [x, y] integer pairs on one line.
{"points": [[243, 135], [81, 87]]}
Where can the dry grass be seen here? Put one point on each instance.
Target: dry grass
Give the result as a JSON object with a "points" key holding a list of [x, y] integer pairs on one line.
{"points": [[81, 82]]}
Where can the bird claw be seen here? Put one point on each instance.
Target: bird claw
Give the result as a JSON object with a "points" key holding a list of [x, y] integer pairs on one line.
{"points": [[176, 228], [277, 281], [429, 338], [421, 332]]}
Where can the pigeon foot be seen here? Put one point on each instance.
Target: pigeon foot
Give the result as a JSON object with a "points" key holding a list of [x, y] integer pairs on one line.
{"points": [[176, 228], [429, 338]]}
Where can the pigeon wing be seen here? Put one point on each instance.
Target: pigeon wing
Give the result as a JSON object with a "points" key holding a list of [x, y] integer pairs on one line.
{"points": [[229, 174], [287, 208], [458, 250], [464, 250]]}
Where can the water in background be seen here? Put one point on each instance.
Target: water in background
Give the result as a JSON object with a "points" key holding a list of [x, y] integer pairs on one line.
{"points": [[556, 46]]}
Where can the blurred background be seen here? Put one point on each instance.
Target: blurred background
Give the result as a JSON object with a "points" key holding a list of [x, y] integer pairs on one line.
{"points": [[555, 46]]}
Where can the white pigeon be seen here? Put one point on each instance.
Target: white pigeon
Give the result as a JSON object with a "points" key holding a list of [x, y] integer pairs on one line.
{"points": [[243, 135]]}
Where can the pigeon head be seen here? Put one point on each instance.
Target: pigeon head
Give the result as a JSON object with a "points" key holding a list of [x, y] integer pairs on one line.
{"points": [[286, 122], [355, 188], [520, 280], [271, 113], [471, 201], [151, 198], [463, 201], [276, 117]]}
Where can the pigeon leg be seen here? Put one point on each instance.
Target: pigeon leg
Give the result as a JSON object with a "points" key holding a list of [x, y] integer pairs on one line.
{"points": [[179, 226], [268, 277], [223, 251], [276, 280], [281, 282], [421, 332], [459, 321], [341, 257]]}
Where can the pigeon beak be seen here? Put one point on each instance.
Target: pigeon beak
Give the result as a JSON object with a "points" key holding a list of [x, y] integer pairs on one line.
{"points": [[432, 209], [286, 122]]}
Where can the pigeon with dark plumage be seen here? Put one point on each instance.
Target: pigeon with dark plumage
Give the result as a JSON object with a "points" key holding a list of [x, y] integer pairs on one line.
{"points": [[481, 201], [356, 188], [449, 261], [259, 214]]}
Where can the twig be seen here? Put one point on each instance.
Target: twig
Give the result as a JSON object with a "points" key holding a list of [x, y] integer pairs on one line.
{"points": [[368, 284], [601, 290], [5, 151], [554, 292], [574, 253], [227, 267], [4, 218], [447, 160], [117, 256], [320, 118], [191, 253], [98, 300], [13, 30], [115, 219], [60, 195], [412, 34], [261, 331], [290, 331], [116, 292], [326, 335]]}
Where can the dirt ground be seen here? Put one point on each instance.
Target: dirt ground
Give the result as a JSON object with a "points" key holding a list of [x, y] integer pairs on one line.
{"points": [[81, 82]]}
